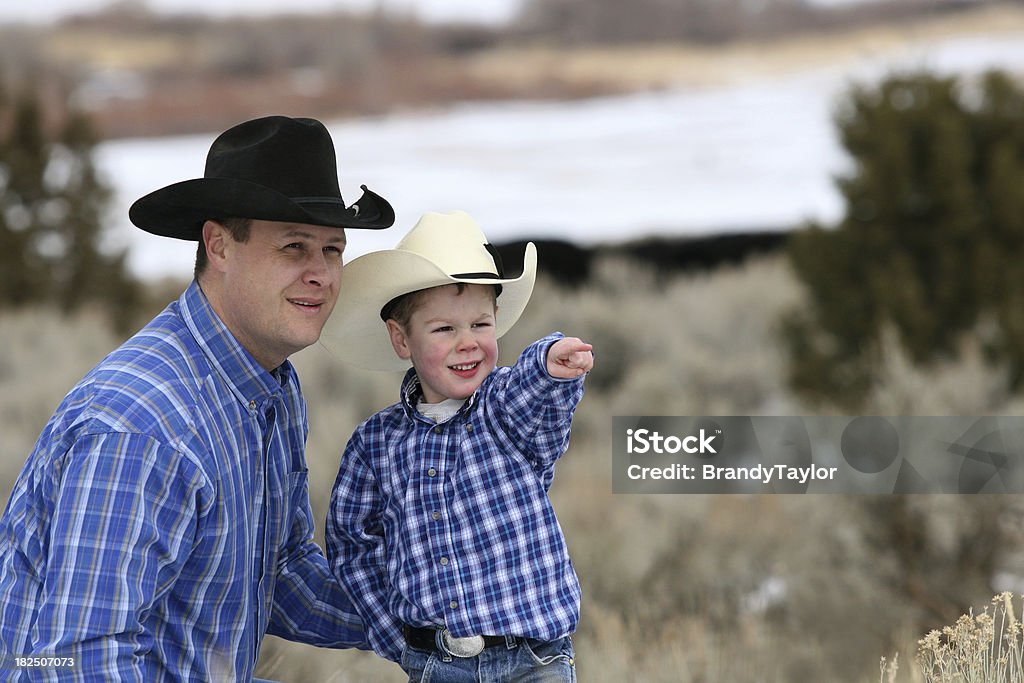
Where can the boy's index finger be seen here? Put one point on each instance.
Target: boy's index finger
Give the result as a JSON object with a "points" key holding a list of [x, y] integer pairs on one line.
{"points": [[576, 344]]}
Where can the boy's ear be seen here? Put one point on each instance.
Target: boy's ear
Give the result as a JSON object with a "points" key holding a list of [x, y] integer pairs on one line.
{"points": [[399, 341]]}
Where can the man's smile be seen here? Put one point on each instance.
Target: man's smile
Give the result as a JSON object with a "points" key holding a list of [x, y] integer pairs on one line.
{"points": [[312, 305]]}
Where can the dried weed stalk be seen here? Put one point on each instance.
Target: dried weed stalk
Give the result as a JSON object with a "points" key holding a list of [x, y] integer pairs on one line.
{"points": [[987, 648]]}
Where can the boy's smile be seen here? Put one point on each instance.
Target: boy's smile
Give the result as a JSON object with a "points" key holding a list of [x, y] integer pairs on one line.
{"points": [[465, 370], [450, 339]]}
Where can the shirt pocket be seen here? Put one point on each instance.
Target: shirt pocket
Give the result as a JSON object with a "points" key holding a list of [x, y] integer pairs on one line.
{"points": [[292, 507], [297, 493]]}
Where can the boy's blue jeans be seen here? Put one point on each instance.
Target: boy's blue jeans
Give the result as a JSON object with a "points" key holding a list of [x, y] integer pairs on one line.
{"points": [[523, 660]]}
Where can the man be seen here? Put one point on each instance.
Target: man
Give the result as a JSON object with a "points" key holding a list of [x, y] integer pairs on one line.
{"points": [[162, 524]]}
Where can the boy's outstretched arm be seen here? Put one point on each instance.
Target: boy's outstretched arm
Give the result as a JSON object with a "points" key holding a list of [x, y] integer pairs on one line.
{"points": [[570, 357]]}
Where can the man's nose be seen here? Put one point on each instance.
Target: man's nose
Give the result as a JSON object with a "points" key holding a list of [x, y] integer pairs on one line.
{"points": [[318, 269]]}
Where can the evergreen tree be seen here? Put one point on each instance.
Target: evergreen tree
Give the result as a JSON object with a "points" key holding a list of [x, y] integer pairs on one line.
{"points": [[930, 243], [22, 162], [929, 249], [52, 207], [85, 272]]}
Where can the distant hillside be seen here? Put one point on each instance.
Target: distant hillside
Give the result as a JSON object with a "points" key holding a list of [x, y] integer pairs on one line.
{"points": [[143, 75]]}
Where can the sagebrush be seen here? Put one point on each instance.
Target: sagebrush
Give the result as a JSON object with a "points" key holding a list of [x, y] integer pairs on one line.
{"points": [[738, 589]]}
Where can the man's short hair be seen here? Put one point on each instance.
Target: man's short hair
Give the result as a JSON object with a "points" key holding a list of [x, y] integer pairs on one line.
{"points": [[238, 228]]}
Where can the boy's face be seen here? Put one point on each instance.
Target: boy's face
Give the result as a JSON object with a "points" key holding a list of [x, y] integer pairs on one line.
{"points": [[450, 339]]}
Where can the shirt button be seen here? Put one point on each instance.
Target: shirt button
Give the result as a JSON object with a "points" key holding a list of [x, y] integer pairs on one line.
{"points": [[444, 561], [469, 428], [252, 405], [437, 429], [453, 604], [432, 472], [435, 515]]}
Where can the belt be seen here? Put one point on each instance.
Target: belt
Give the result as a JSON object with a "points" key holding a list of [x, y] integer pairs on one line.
{"points": [[439, 640]]}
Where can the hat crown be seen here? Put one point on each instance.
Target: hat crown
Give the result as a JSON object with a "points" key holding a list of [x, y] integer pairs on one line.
{"points": [[294, 156], [453, 242], [274, 168], [441, 249]]}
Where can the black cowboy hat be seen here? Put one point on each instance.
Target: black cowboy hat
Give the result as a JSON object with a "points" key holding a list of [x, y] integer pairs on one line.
{"points": [[274, 168]]}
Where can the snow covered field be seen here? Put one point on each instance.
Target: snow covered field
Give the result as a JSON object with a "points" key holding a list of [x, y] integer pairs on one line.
{"points": [[755, 155]]}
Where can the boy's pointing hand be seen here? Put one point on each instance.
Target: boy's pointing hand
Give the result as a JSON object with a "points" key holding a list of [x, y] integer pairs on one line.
{"points": [[570, 357]]}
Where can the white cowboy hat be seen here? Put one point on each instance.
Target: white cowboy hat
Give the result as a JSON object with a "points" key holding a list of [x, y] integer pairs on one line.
{"points": [[441, 249]]}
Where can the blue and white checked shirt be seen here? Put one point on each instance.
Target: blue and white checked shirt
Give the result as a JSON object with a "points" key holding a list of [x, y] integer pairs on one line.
{"points": [[449, 524], [162, 524]]}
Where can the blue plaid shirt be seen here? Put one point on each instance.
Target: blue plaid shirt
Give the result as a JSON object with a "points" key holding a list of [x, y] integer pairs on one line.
{"points": [[450, 524], [162, 524]]}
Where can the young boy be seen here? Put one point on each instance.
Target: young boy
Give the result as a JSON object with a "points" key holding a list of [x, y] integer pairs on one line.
{"points": [[439, 526]]}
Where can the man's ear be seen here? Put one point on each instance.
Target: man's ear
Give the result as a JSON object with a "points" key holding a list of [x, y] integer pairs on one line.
{"points": [[215, 240], [399, 340]]}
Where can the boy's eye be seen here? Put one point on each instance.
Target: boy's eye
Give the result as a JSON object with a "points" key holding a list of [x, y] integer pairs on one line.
{"points": [[443, 328], [482, 324]]}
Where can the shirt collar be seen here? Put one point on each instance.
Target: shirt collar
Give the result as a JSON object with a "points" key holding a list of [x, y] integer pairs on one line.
{"points": [[412, 391], [251, 384]]}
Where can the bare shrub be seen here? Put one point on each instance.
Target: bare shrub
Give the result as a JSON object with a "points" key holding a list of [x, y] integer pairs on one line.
{"points": [[745, 589], [983, 648], [44, 354]]}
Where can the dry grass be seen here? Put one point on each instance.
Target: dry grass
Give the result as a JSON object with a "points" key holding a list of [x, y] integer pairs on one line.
{"points": [[744, 589], [647, 66], [43, 356], [128, 53], [983, 648], [630, 67]]}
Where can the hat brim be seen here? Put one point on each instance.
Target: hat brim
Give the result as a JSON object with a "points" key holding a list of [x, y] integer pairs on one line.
{"points": [[355, 331], [179, 210]]}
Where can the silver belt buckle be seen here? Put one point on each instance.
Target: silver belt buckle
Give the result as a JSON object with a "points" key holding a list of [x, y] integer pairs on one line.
{"points": [[463, 648]]}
